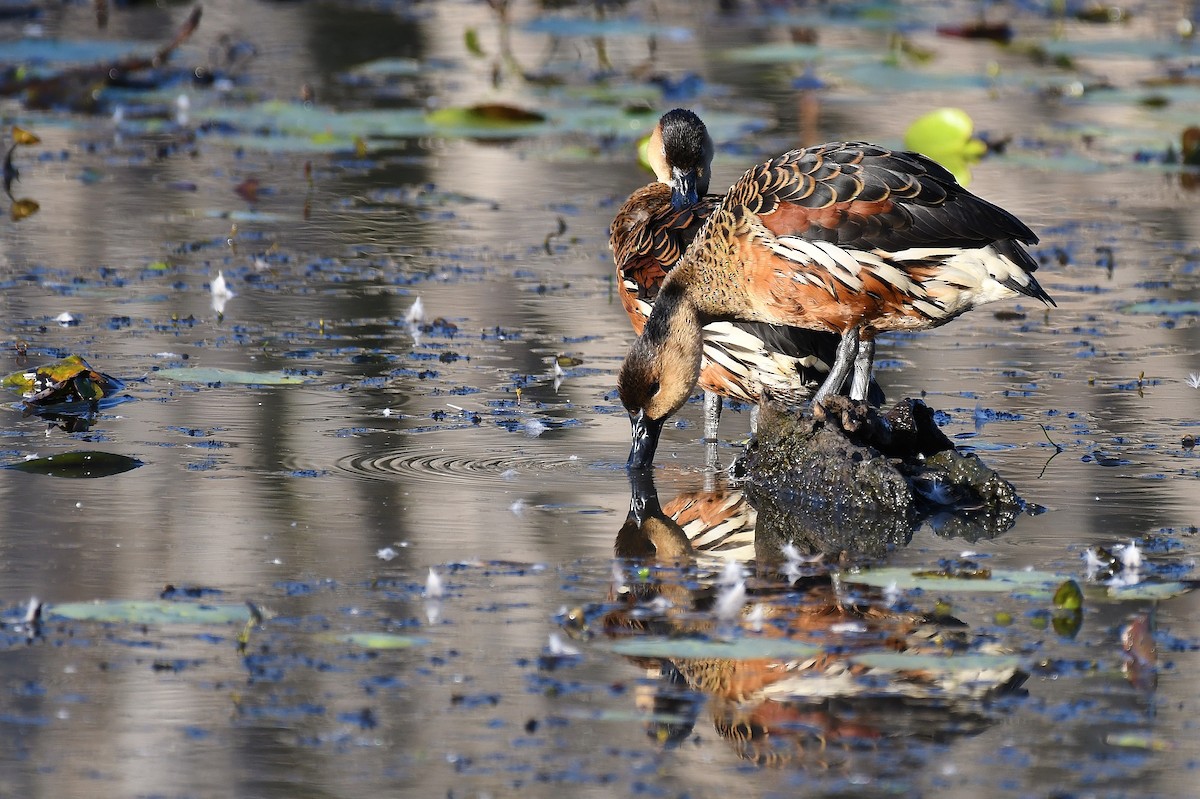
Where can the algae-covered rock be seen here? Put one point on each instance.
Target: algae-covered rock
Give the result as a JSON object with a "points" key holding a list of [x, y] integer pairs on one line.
{"points": [[851, 481]]}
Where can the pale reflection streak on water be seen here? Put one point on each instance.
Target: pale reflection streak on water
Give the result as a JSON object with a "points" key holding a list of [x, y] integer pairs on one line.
{"points": [[220, 501]]}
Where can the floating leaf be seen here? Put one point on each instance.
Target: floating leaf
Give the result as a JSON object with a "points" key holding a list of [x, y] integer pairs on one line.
{"points": [[643, 153], [1139, 740], [1150, 48], [1168, 307], [151, 612], [471, 42], [380, 640], [942, 129], [64, 51], [488, 115], [276, 126], [945, 136], [918, 661], [389, 68], [22, 136], [740, 649], [608, 27], [23, 209], [213, 374], [1151, 591], [1068, 596], [28, 380], [793, 53], [1001, 580], [58, 385], [77, 465]]}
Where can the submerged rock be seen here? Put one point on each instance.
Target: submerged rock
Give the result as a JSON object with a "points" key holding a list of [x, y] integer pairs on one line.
{"points": [[851, 481]]}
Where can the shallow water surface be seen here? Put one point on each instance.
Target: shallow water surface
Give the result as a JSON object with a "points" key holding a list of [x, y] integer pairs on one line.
{"points": [[453, 443]]}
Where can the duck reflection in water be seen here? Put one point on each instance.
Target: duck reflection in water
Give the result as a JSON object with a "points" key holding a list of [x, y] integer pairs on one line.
{"points": [[794, 674]]}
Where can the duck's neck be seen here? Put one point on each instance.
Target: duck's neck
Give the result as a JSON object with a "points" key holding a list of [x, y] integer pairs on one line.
{"points": [[673, 312], [674, 331]]}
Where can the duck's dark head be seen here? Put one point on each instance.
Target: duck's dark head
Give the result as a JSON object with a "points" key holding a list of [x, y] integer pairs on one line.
{"points": [[657, 378], [680, 153]]}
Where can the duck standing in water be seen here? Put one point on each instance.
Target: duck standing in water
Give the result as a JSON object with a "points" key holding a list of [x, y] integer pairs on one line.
{"points": [[650, 233], [846, 238]]}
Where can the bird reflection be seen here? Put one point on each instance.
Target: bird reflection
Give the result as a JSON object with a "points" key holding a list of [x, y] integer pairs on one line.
{"points": [[830, 692]]}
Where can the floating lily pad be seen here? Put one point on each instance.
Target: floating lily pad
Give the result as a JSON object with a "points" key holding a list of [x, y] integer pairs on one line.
{"points": [[1000, 580], [381, 640], [879, 75], [615, 26], [151, 612], [284, 127], [1168, 307], [1146, 48], [389, 67], [77, 465], [1151, 591], [943, 663], [62, 51], [214, 374], [944, 131], [275, 122], [793, 53], [485, 119], [740, 649], [1139, 740]]}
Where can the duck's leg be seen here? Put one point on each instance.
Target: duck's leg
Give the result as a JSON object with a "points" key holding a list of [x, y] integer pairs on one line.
{"points": [[863, 361], [840, 369], [712, 421], [712, 415]]}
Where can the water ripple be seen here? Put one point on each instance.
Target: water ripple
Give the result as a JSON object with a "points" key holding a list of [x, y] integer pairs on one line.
{"points": [[474, 465]]}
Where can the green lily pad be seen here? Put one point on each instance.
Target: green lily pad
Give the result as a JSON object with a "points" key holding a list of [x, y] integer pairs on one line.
{"points": [[290, 127], [944, 130], [739, 649], [794, 53], [151, 612], [941, 663], [611, 27], [389, 68], [1000, 581], [214, 374], [945, 136], [380, 640], [486, 120], [1151, 591], [1168, 307], [1148, 48], [77, 464], [27, 52], [276, 125], [1139, 740]]}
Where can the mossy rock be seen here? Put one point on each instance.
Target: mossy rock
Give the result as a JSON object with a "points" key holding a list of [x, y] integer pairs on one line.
{"points": [[850, 481]]}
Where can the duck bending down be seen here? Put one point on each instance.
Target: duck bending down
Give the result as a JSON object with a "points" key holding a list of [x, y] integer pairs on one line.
{"points": [[847, 238], [651, 231]]}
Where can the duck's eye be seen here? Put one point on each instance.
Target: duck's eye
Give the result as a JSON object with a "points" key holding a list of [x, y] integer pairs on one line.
{"points": [[654, 388]]}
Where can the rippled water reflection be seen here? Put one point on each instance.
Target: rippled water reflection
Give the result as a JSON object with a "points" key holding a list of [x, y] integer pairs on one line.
{"points": [[453, 444]]}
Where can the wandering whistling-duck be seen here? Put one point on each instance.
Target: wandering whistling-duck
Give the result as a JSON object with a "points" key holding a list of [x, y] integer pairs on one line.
{"points": [[649, 235], [846, 238]]}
